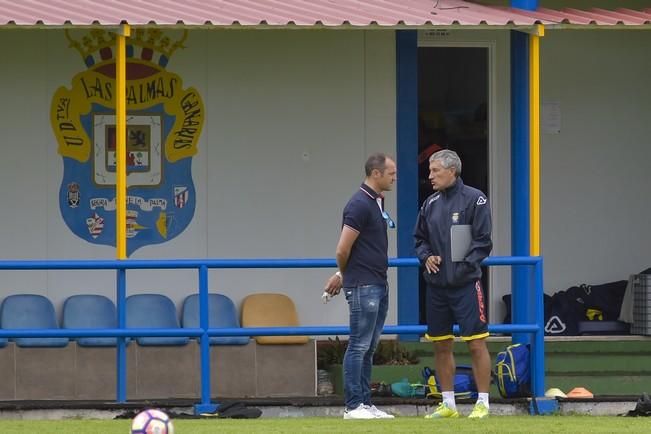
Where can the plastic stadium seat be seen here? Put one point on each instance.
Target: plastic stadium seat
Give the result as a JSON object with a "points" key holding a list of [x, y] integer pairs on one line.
{"points": [[271, 310], [221, 313], [90, 311], [30, 311], [153, 311]]}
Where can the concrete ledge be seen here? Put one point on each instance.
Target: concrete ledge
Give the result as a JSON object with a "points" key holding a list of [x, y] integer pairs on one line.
{"points": [[95, 376], [44, 373], [233, 371], [166, 372], [330, 406], [8, 369], [286, 370], [89, 373]]}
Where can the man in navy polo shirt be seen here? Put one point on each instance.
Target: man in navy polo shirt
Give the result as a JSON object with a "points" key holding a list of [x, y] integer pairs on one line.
{"points": [[363, 260]]}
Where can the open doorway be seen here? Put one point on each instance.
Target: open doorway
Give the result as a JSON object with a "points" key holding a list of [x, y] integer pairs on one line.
{"points": [[453, 101]]}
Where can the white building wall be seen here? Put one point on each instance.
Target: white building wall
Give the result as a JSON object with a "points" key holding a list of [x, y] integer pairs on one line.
{"points": [[595, 172], [289, 122], [294, 119], [290, 117]]}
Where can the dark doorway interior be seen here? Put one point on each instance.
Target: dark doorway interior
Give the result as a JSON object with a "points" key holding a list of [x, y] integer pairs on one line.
{"points": [[453, 114]]}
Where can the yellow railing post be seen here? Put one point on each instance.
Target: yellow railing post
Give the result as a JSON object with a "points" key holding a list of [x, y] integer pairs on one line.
{"points": [[534, 138], [120, 145]]}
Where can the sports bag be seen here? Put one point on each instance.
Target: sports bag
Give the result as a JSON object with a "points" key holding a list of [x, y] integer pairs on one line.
{"points": [[511, 373], [464, 382]]}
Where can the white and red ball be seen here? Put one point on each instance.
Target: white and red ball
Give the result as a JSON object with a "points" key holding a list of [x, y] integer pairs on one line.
{"points": [[152, 422]]}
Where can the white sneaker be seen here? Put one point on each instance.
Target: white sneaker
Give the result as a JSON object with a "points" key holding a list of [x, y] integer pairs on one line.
{"points": [[379, 414], [361, 412]]}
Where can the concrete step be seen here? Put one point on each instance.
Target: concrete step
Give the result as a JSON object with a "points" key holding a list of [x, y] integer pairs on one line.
{"points": [[605, 365]]}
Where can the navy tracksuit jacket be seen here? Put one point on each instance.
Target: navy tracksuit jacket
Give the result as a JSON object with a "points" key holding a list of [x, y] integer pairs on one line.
{"points": [[459, 204]]}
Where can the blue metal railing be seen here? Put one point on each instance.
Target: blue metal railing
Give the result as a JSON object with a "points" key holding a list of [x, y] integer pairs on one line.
{"points": [[534, 327]]}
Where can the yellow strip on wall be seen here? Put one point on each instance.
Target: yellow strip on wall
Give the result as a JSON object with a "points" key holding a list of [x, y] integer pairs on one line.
{"points": [[121, 146], [534, 139]]}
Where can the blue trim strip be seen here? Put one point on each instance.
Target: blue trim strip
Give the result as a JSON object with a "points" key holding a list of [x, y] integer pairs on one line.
{"points": [[520, 214], [407, 161], [243, 331], [186, 264], [530, 5]]}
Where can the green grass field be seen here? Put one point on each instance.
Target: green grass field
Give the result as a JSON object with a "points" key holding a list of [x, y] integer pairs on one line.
{"points": [[495, 424]]}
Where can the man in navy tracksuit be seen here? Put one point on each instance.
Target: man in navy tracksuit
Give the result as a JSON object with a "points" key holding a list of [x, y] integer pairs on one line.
{"points": [[452, 272]]}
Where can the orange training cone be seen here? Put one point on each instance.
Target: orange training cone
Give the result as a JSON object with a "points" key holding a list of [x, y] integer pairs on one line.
{"points": [[580, 392]]}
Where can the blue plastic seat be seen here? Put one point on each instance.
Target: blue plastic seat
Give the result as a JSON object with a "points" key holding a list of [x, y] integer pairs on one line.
{"points": [[221, 313], [153, 311], [30, 311], [90, 311]]}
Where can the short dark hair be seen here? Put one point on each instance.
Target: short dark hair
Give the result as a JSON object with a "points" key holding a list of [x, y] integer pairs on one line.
{"points": [[375, 161]]}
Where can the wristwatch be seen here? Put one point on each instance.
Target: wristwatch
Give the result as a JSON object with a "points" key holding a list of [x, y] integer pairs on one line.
{"points": [[341, 276]]}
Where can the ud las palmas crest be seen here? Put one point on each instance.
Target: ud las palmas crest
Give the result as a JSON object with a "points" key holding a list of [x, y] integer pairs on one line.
{"points": [[164, 123]]}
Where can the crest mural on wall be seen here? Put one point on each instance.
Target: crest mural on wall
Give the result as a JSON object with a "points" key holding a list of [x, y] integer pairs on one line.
{"points": [[164, 123]]}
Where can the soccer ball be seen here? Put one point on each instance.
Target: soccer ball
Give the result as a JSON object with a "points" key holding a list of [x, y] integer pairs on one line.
{"points": [[152, 422]]}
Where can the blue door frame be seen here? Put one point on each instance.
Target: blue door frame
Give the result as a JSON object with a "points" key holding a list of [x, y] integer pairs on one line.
{"points": [[407, 160]]}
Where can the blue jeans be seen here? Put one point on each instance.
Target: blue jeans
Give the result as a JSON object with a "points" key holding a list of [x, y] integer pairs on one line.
{"points": [[368, 305]]}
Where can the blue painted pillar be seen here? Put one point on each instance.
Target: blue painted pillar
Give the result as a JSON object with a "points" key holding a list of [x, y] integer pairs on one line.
{"points": [[520, 215], [407, 160], [530, 5], [121, 354], [205, 406]]}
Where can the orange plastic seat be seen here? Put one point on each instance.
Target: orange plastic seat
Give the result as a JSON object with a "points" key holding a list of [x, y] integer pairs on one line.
{"points": [[271, 310]]}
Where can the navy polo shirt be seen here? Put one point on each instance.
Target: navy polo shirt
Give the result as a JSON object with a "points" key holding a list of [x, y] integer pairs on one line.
{"points": [[368, 261]]}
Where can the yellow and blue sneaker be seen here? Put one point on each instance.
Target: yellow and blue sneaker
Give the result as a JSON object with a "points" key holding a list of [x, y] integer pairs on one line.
{"points": [[480, 411], [442, 411]]}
